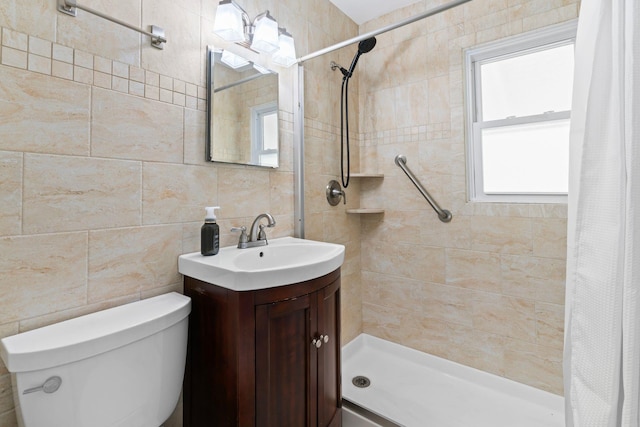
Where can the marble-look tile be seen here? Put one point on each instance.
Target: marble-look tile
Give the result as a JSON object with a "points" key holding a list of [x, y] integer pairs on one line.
{"points": [[439, 110], [395, 226], [98, 36], [195, 128], [455, 234], [502, 235], [129, 260], [10, 193], [15, 39], [550, 325], [376, 317], [281, 192], [505, 316], [536, 365], [553, 16], [181, 56], [129, 127], [243, 192], [8, 419], [62, 70], [37, 17], [410, 261], [393, 292], [6, 395], [473, 270], [42, 274], [351, 306], [79, 193], [14, 58], [61, 316], [542, 279], [178, 193], [39, 64], [62, 53], [43, 114], [550, 238], [480, 350]]}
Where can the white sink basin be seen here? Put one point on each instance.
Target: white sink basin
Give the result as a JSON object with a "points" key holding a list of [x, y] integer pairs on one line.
{"points": [[283, 261]]}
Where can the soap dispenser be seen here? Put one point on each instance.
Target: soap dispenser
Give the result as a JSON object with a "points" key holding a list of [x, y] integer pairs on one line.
{"points": [[210, 233]]}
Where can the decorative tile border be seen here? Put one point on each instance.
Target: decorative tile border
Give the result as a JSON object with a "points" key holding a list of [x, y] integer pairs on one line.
{"points": [[34, 54]]}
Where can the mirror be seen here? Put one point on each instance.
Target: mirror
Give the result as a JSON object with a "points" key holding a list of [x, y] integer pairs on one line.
{"points": [[242, 111]]}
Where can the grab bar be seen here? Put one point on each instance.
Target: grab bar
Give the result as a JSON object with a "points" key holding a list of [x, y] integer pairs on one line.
{"points": [[157, 34], [443, 214]]}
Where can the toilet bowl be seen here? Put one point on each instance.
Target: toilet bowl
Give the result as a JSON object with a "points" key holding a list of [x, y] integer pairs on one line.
{"points": [[121, 367]]}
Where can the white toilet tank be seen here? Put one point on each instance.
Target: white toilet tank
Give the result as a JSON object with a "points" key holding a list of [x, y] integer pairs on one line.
{"points": [[121, 367]]}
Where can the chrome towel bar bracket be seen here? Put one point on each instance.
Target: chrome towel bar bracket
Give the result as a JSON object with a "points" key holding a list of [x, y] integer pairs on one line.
{"points": [[443, 214], [157, 35]]}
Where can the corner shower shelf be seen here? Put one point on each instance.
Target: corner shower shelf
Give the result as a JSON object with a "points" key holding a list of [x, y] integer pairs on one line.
{"points": [[367, 175], [366, 210]]}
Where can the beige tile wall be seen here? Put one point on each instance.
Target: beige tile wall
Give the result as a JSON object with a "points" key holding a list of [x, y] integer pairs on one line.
{"points": [[102, 173], [487, 289]]}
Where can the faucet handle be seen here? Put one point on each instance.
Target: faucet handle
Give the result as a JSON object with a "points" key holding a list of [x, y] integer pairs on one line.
{"points": [[243, 240], [261, 234]]}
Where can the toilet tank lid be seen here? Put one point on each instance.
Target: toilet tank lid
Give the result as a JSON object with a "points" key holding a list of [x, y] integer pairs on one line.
{"points": [[92, 334]]}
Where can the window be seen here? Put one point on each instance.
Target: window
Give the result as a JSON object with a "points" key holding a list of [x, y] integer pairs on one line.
{"points": [[264, 135], [519, 104]]}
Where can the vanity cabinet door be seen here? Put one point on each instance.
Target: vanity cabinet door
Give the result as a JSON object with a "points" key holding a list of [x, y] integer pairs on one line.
{"points": [[286, 363], [329, 374], [298, 360]]}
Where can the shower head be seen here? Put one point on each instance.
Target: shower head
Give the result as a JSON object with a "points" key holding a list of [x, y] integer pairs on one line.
{"points": [[364, 46]]}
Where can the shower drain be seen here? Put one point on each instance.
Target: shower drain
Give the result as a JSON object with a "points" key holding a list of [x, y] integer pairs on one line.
{"points": [[361, 381]]}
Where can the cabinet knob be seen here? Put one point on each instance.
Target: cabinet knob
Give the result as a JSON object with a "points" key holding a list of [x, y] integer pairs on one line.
{"points": [[325, 338], [317, 342]]}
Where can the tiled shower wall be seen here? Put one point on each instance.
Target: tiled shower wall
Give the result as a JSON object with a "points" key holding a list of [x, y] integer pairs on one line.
{"points": [[486, 289], [102, 173]]}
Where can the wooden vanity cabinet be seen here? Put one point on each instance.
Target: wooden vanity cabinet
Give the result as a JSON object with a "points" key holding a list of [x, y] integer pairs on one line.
{"points": [[264, 358]]}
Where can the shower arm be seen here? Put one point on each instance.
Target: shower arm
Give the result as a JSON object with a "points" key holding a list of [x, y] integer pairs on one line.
{"points": [[428, 13]]}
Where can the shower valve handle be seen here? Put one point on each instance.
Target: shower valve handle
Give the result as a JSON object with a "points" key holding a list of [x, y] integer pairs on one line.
{"points": [[334, 192]]}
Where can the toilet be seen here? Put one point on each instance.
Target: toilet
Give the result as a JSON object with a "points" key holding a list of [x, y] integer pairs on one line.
{"points": [[121, 367]]}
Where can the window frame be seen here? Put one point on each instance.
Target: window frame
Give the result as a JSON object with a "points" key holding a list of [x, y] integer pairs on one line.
{"points": [[257, 131], [530, 42]]}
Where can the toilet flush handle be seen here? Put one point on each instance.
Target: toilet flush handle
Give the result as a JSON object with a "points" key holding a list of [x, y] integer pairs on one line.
{"points": [[51, 385]]}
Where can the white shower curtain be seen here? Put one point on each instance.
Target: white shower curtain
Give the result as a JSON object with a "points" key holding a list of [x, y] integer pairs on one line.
{"points": [[602, 327]]}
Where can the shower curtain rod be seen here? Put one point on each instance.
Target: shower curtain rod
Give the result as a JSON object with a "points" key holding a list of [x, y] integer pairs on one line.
{"points": [[428, 13]]}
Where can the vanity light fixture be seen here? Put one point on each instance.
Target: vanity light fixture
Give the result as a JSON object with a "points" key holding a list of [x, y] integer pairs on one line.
{"points": [[261, 69], [233, 24], [286, 55]]}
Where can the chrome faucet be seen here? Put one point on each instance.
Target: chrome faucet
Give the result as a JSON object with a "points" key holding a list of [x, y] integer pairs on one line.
{"points": [[256, 237]]}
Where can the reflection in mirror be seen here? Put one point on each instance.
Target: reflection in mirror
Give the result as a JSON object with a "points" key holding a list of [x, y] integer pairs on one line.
{"points": [[242, 111]]}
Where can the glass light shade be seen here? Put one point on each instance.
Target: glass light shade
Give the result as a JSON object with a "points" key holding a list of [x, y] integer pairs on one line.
{"points": [[232, 60], [261, 69], [228, 23], [286, 55], [265, 36]]}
